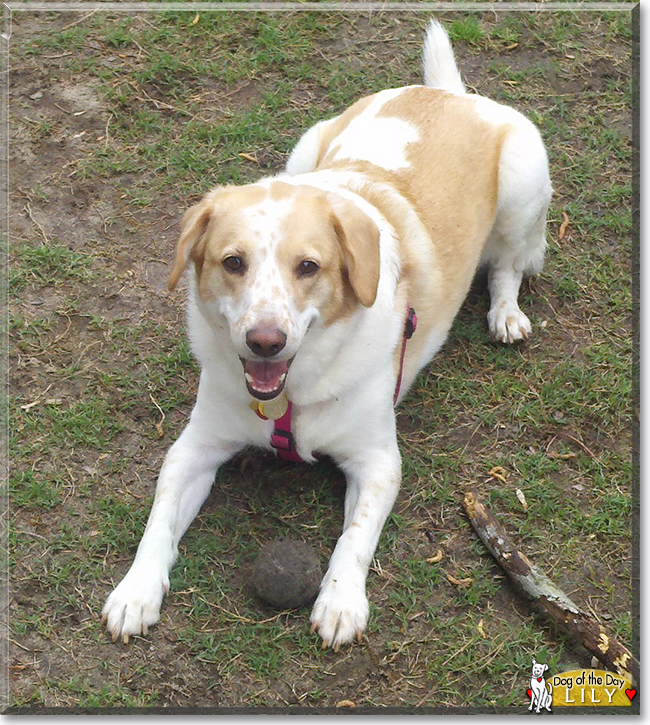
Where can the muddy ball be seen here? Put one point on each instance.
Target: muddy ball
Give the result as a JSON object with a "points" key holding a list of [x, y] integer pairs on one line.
{"points": [[286, 574]]}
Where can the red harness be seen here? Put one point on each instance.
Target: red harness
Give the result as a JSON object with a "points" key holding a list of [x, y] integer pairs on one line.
{"points": [[282, 437]]}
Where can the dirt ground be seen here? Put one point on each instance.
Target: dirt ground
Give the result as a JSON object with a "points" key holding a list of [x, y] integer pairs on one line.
{"points": [[68, 661]]}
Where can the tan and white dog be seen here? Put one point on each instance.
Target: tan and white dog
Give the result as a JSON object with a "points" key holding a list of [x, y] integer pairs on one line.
{"points": [[299, 289]]}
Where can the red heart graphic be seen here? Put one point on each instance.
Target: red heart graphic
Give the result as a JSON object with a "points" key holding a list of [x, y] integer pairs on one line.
{"points": [[529, 692], [539, 679], [630, 694]]}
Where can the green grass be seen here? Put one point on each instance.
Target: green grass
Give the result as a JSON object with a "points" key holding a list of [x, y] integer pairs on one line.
{"points": [[468, 30], [47, 264], [102, 378]]}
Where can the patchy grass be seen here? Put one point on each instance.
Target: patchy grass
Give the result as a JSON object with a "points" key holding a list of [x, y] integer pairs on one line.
{"points": [[132, 118]]}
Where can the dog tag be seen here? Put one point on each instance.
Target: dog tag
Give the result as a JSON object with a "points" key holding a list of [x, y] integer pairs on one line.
{"points": [[272, 409]]}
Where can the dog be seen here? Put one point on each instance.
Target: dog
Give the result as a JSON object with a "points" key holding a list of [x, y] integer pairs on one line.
{"points": [[540, 697], [302, 288]]}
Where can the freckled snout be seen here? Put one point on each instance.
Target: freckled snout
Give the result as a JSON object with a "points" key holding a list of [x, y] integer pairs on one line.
{"points": [[266, 340]]}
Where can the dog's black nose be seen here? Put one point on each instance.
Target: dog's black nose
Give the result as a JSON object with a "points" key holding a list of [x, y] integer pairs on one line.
{"points": [[266, 340]]}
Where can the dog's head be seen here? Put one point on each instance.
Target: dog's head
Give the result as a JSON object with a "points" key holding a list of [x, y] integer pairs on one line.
{"points": [[273, 259], [539, 669]]}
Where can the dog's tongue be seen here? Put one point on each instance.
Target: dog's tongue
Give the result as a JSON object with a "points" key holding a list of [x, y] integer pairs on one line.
{"points": [[265, 379]]}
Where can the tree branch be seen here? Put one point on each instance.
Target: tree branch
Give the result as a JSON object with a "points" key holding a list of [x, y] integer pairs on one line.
{"points": [[546, 596]]}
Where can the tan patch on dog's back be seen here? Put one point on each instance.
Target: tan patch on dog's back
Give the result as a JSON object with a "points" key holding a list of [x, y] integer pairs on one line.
{"points": [[445, 196], [444, 179], [452, 182], [336, 127]]}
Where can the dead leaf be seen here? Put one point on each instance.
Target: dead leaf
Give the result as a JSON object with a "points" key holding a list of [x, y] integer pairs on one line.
{"points": [[522, 499], [248, 157], [458, 582], [563, 227], [345, 703], [436, 557], [561, 456], [195, 21], [499, 473], [481, 629]]}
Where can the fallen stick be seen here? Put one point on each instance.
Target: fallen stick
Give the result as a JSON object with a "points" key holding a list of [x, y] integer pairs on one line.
{"points": [[546, 596]]}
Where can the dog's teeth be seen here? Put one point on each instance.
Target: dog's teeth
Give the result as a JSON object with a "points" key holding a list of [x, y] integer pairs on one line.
{"points": [[251, 381]]}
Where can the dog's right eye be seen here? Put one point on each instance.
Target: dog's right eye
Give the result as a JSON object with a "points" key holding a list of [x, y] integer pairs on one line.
{"points": [[233, 264], [307, 268]]}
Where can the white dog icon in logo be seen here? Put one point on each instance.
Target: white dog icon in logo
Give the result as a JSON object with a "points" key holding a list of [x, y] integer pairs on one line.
{"points": [[540, 697]]}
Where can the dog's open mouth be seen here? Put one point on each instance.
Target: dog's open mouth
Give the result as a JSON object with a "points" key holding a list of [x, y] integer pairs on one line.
{"points": [[265, 380]]}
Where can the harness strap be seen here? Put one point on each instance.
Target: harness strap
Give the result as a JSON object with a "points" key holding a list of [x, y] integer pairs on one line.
{"points": [[282, 437], [409, 328]]}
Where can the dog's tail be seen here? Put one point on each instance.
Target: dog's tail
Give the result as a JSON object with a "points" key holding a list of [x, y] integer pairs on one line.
{"points": [[440, 69]]}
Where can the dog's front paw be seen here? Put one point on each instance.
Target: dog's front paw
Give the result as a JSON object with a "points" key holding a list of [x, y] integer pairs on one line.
{"points": [[340, 613], [508, 323], [134, 605]]}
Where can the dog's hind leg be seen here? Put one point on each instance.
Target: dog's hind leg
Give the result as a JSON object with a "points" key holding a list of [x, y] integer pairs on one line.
{"points": [[518, 239]]}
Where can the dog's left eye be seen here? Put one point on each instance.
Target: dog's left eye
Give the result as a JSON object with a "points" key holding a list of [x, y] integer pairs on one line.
{"points": [[234, 264], [307, 268]]}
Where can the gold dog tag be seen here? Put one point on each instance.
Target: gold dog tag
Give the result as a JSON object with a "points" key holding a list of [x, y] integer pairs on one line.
{"points": [[271, 409]]}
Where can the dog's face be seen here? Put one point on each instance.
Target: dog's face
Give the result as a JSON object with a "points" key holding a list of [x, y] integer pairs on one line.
{"points": [[273, 259], [539, 669]]}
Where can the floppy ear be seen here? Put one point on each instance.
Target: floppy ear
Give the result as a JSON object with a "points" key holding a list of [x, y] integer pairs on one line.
{"points": [[193, 228], [358, 236]]}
